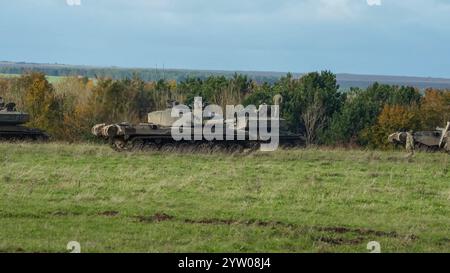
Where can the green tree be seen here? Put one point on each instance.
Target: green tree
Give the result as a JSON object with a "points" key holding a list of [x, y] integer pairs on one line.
{"points": [[310, 102]]}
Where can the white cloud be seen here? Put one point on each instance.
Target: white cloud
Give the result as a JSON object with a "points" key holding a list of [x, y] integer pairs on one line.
{"points": [[73, 2], [374, 2]]}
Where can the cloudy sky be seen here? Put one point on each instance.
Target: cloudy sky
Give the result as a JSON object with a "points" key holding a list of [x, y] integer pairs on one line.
{"points": [[392, 37]]}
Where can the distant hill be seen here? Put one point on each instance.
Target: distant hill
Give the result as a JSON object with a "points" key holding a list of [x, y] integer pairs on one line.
{"points": [[152, 74]]}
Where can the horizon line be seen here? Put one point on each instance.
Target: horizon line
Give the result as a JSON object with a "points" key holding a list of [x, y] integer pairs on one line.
{"points": [[243, 71]]}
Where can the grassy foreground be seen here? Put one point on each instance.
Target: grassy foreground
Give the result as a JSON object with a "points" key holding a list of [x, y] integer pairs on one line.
{"points": [[287, 201]]}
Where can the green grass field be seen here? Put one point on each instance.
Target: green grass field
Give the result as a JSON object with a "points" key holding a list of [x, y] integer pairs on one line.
{"points": [[287, 201], [51, 79]]}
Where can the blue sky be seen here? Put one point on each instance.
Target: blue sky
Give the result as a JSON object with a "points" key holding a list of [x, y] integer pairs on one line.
{"points": [[391, 37]]}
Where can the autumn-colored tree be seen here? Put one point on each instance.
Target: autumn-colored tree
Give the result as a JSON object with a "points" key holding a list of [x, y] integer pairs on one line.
{"points": [[391, 119], [41, 102], [113, 101], [3, 87], [75, 93], [435, 108]]}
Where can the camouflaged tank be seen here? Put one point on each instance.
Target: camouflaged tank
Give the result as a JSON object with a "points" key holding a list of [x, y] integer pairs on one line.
{"points": [[430, 141], [11, 124], [156, 134]]}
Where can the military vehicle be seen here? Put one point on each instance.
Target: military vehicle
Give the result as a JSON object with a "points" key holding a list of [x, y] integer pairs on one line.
{"points": [[11, 122], [156, 134], [429, 141]]}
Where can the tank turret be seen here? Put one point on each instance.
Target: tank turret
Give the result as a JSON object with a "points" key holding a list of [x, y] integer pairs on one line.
{"points": [[11, 122], [10, 116]]}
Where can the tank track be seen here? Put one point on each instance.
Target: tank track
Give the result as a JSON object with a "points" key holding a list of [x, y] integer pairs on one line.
{"points": [[23, 137], [425, 148], [206, 147]]}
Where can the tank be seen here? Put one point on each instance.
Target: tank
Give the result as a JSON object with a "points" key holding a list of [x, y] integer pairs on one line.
{"points": [[156, 134], [11, 125], [429, 141]]}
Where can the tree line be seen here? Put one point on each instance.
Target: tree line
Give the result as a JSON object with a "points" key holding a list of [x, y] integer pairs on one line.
{"points": [[147, 74], [312, 104]]}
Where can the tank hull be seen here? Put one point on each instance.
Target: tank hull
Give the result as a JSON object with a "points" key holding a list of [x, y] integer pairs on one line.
{"points": [[428, 141], [12, 132], [124, 137], [13, 118]]}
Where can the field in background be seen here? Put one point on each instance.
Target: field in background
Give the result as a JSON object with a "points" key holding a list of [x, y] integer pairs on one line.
{"points": [[154, 74], [287, 201], [51, 79]]}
